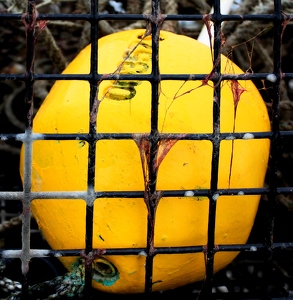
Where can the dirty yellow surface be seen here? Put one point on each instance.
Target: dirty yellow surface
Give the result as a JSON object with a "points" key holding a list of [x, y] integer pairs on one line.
{"points": [[125, 107]]}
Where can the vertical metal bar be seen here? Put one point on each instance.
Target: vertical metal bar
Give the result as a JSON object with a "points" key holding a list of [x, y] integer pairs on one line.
{"points": [[29, 22], [92, 148], [151, 197], [210, 251], [275, 145]]}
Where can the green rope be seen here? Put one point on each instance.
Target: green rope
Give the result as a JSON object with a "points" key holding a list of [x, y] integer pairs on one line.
{"points": [[68, 285]]}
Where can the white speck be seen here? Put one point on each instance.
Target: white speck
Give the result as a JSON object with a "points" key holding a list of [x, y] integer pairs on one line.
{"points": [[290, 84], [248, 136], [229, 274], [253, 248], [223, 289], [241, 193], [271, 77], [4, 138], [230, 137], [250, 269], [259, 274], [189, 194], [58, 254], [142, 253], [215, 197]]}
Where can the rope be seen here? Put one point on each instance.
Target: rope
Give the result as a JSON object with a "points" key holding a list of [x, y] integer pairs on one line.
{"points": [[70, 285]]}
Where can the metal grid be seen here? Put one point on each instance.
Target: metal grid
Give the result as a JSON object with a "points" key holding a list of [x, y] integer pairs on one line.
{"points": [[28, 137]]}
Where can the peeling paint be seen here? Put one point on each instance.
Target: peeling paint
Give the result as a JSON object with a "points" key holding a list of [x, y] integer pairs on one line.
{"points": [[248, 136], [230, 138], [106, 281], [271, 78], [215, 197], [189, 194], [142, 253]]}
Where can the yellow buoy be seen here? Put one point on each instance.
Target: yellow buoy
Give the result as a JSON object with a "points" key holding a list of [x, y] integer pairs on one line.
{"points": [[125, 107]]}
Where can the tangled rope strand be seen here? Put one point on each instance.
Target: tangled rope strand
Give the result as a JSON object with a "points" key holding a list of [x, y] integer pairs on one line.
{"points": [[240, 33], [147, 9], [170, 7]]}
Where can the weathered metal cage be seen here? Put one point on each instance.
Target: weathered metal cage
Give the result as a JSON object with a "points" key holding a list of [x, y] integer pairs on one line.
{"points": [[265, 262]]}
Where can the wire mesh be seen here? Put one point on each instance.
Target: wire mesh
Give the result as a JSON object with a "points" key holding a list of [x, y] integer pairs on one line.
{"points": [[265, 249]]}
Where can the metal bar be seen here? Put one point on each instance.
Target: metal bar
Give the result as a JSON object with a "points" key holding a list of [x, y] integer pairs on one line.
{"points": [[86, 77], [139, 194], [185, 17], [127, 136], [30, 23], [92, 148], [141, 251], [210, 251], [151, 196], [275, 146]]}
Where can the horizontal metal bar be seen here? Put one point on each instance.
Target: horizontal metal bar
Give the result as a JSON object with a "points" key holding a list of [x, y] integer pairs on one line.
{"points": [[141, 251], [84, 17], [187, 17], [43, 195], [99, 77], [8, 195], [222, 18], [127, 136]]}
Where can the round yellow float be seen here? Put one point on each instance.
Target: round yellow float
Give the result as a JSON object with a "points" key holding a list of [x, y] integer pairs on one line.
{"points": [[125, 107]]}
